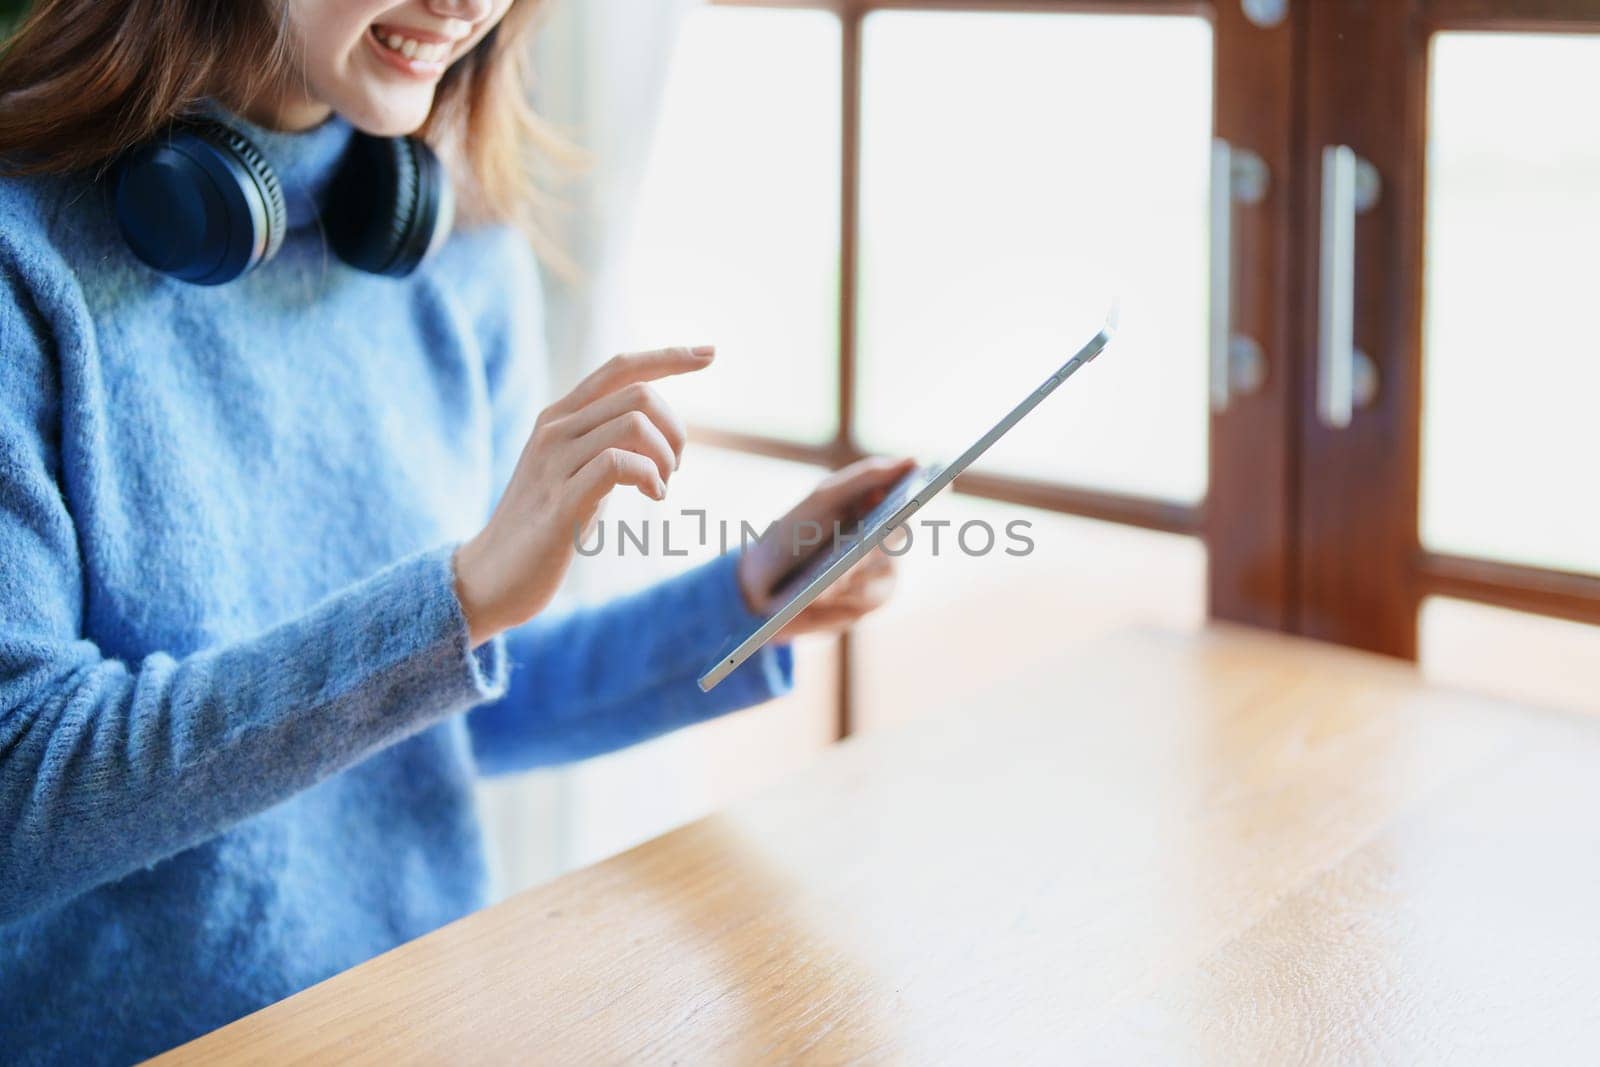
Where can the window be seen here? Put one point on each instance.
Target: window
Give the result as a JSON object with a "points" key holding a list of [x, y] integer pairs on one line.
{"points": [[890, 247], [1464, 475], [1513, 654], [1001, 217], [905, 212], [738, 233], [1511, 346]]}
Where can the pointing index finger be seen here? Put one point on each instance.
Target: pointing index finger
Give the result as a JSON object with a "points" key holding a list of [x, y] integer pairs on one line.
{"points": [[624, 370]]}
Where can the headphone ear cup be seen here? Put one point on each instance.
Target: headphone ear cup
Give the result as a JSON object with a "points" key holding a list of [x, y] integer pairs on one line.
{"points": [[388, 206], [200, 204]]}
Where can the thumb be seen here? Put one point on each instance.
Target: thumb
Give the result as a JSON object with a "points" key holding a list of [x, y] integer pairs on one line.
{"points": [[868, 475]]}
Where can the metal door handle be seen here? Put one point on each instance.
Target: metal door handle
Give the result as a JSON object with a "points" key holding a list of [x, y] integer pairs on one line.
{"points": [[1346, 377], [1238, 364]]}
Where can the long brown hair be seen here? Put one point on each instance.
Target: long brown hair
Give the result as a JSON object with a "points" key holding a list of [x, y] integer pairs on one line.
{"points": [[81, 81]]}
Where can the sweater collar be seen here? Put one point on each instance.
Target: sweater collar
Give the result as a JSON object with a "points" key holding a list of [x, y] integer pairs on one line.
{"points": [[305, 161]]}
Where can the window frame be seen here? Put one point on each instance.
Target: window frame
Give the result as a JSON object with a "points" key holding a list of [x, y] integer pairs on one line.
{"points": [[1245, 518], [1363, 573], [1307, 530]]}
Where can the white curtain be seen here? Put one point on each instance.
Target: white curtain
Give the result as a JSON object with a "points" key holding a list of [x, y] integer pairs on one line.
{"points": [[600, 69]]}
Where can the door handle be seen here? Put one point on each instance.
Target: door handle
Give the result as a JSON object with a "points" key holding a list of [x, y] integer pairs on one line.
{"points": [[1238, 365], [1347, 378]]}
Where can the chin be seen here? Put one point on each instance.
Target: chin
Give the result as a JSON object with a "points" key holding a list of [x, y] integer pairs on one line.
{"points": [[393, 115]]}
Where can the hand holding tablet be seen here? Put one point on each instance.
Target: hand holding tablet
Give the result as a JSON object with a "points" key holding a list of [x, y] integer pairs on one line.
{"points": [[768, 566], [811, 577]]}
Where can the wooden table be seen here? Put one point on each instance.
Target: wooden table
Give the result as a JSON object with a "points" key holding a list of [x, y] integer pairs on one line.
{"points": [[1225, 848]]}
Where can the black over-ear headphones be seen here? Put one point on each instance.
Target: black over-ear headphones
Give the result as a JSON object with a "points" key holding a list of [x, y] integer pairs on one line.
{"points": [[202, 204]]}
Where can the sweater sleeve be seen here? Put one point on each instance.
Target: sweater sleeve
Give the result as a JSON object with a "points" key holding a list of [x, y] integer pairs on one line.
{"points": [[602, 678], [108, 766]]}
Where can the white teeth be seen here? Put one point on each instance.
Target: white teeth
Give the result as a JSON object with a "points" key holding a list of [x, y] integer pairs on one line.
{"points": [[411, 48]]}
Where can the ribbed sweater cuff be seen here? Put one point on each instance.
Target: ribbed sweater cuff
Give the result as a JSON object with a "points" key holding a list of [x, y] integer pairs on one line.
{"points": [[413, 639]]}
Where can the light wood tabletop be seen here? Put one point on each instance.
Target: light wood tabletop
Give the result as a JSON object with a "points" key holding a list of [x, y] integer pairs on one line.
{"points": [[1226, 847]]}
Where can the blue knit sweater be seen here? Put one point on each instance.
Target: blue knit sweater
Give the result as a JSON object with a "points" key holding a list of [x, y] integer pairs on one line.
{"points": [[239, 718]]}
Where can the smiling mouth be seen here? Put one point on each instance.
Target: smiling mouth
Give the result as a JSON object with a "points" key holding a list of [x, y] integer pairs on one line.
{"points": [[414, 53]]}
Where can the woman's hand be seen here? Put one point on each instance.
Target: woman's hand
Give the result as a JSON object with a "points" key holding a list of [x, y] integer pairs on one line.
{"points": [[843, 497], [611, 430]]}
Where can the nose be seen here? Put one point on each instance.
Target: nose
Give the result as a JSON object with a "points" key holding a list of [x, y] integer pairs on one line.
{"points": [[466, 10]]}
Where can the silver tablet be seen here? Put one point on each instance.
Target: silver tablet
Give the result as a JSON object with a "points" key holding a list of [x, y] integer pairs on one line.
{"points": [[837, 556]]}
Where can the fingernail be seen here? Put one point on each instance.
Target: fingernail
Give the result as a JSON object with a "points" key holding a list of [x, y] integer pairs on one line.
{"points": [[704, 350]]}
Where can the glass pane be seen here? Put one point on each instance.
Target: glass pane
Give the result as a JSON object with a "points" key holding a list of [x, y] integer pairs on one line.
{"points": [[1511, 358], [1019, 171], [617, 801], [1545, 661], [986, 617], [736, 240]]}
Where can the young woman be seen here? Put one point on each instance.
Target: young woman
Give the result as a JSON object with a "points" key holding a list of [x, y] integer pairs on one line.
{"points": [[275, 550]]}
